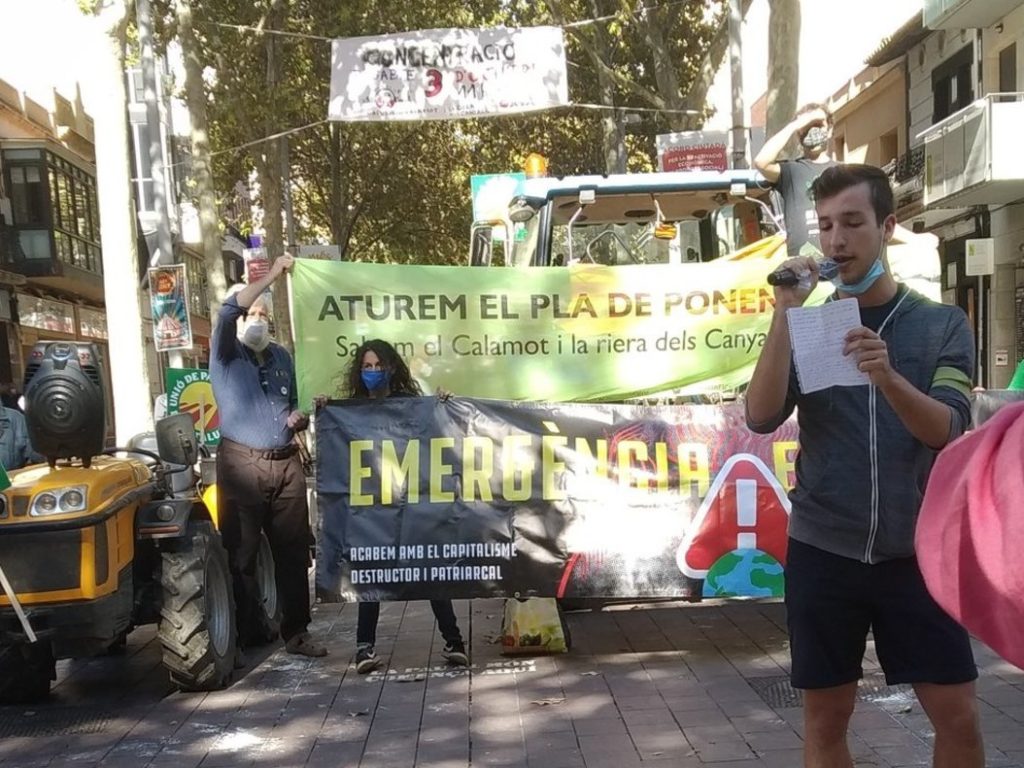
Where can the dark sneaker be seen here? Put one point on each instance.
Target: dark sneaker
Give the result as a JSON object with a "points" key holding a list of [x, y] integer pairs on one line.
{"points": [[366, 659], [455, 654], [304, 645], [240, 660]]}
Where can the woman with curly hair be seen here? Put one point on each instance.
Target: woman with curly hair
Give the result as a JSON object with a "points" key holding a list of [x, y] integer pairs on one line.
{"points": [[378, 372]]}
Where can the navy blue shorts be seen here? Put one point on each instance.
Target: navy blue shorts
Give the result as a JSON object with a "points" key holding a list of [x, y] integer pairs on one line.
{"points": [[831, 604]]}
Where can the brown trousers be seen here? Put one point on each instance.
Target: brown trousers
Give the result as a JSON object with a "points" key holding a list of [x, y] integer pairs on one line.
{"points": [[265, 491]]}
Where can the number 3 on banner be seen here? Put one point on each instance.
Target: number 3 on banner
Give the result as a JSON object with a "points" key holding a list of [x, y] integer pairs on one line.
{"points": [[433, 83]]}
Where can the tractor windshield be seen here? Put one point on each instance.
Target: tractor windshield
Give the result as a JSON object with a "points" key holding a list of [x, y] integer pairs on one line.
{"points": [[623, 230]]}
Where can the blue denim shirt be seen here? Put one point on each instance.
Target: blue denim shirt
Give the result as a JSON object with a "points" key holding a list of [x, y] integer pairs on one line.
{"points": [[255, 393]]}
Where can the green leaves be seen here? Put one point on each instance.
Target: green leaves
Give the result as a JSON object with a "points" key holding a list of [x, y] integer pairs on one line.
{"points": [[400, 192]]}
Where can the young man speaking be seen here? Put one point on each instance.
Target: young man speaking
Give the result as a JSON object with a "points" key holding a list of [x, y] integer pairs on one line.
{"points": [[865, 454]]}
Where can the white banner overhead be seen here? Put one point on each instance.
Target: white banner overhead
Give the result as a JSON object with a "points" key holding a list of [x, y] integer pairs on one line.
{"points": [[439, 74]]}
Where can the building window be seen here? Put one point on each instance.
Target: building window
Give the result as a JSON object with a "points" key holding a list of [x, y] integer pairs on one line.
{"points": [[145, 184], [1008, 69], [952, 89], [29, 196], [56, 212]]}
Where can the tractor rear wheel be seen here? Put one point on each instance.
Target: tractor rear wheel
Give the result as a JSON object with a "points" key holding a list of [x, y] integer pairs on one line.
{"points": [[25, 672], [197, 617]]}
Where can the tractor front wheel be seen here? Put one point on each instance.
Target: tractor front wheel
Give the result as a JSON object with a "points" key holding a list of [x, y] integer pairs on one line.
{"points": [[197, 618]]}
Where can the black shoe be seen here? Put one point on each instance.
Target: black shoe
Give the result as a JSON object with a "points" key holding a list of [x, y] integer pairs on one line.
{"points": [[455, 654], [366, 659], [240, 661]]}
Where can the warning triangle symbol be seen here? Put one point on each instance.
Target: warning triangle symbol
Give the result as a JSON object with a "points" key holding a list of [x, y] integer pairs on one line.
{"points": [[745, 508]]}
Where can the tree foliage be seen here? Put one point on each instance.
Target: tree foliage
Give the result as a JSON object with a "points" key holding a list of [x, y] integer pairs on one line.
{"points": [[400, 191]]}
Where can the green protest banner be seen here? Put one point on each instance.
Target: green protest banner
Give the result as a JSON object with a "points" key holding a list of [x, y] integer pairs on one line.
{"points": [[582, 333], [189, 391]]}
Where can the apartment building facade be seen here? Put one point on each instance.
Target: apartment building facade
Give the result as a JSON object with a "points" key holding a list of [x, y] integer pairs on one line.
{"points": [[959, 172], [51, 257]]}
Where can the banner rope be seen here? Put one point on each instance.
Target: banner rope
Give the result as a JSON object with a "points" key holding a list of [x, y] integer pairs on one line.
{"points": [[571, 105], [568, 25]]}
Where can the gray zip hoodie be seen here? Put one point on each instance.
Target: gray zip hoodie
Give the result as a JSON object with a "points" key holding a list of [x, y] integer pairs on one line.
{"points": [[860, 474]]}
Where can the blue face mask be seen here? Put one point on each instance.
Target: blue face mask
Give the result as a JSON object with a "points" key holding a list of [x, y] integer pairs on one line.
{"points": [[864, 284], [374, 380]]}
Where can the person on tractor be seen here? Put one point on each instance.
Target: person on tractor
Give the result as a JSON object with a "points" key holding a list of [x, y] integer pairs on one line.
{"points": [[812, 126]]}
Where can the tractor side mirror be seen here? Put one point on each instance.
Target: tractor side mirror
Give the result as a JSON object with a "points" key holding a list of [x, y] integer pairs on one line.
{"points": [[481, 246], [176, 439]]}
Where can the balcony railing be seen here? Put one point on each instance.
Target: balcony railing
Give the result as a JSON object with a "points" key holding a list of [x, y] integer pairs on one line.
{"points": [[906, 173], [965, 14], [973, 157], [909, 165]]}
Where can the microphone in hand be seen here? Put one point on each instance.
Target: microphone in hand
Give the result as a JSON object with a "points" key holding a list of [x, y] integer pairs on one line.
{"points": [[827, 269]]}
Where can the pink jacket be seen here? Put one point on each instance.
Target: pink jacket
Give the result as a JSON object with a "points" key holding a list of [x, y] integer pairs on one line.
{"points": [[970, 534]]}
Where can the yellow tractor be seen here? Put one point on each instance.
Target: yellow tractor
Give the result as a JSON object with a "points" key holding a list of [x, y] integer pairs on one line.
{"points": [[96, 542]]}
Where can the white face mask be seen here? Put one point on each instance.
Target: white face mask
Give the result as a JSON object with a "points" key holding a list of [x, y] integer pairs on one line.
{"points": [[255, 334]]}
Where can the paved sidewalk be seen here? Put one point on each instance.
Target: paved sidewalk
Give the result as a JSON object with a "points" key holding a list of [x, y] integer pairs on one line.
{"points": [[664, 684]]}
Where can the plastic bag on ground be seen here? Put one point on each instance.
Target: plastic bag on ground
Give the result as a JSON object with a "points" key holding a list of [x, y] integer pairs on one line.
{"points": [[532, 626]]}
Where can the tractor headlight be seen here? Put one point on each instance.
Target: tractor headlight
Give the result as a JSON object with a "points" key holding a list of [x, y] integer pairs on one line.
{"points": [[45, 504], [72, 501], [59, 501]]}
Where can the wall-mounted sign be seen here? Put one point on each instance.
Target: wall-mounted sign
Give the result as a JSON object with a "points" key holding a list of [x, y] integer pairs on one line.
{"points": [[46, 314], [981, 256], [189, 391]]}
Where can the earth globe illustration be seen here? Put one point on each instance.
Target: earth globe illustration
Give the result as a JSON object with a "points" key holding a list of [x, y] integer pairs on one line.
{"points": [[745, 573]]}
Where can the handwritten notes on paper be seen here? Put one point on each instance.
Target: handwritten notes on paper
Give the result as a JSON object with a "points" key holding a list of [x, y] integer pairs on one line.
{"points": [[818, 336]]}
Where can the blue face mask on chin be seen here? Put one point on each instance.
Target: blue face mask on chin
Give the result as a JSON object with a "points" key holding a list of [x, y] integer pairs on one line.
{"points": [[864, 284], [374, 380]]}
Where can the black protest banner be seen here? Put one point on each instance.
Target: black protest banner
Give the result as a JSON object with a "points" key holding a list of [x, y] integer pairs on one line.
{"points": [[422, 498]]}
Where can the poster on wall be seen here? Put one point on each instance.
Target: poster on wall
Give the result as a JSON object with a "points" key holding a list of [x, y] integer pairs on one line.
{"points": [[168, 298]]}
